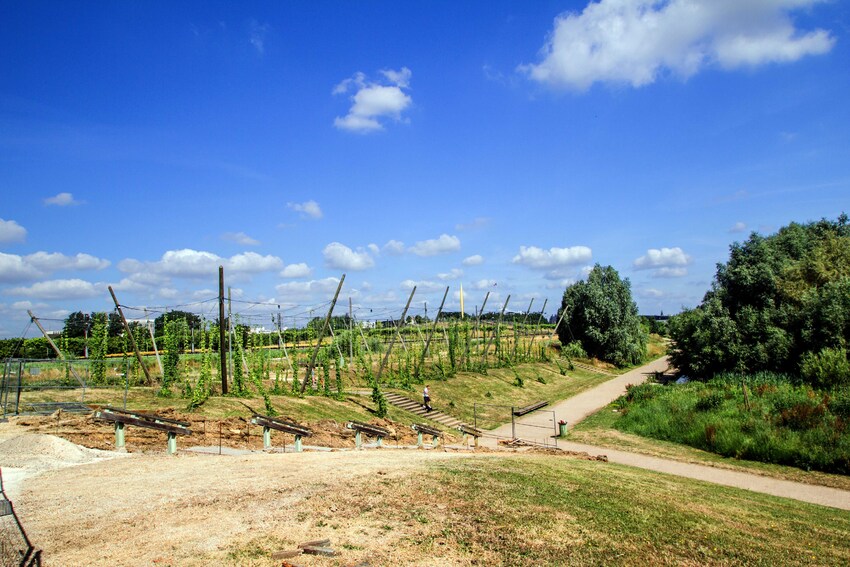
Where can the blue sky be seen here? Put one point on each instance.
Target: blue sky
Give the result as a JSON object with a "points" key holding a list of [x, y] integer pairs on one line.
{"points": [[505, 146]]}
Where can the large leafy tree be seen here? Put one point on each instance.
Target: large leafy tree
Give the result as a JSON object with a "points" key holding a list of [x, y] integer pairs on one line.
{"points": [[77, 325], [603, 317], [779, 299]]}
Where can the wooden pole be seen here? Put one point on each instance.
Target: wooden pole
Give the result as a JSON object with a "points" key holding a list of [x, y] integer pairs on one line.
{"points": [[222, 354], [431, 332], [58, 352], [477, 323], [498, 324], [130, 334], [392, 339], [537, 327], [321, 336]]}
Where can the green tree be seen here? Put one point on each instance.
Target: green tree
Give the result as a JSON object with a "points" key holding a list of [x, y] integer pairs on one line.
{"points": [[77, 325], [603, 317], [778, 301]]}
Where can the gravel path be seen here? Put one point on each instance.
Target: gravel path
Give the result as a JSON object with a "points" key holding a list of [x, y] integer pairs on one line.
{"points": [[539, 427]]}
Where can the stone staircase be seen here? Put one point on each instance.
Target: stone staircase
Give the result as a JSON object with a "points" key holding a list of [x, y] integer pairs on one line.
{"points": [[417, 408]]}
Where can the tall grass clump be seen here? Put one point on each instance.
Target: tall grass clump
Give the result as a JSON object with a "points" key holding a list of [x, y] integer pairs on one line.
{"points": [[766, 418]]}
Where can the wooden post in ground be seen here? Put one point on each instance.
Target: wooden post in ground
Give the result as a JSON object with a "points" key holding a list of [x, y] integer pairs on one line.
{"points": [[537, 328], [58, 352], [431, 332], [130, 335], [321, 336], [477, 323], [222, 355], [392, 338], [498, 324]]}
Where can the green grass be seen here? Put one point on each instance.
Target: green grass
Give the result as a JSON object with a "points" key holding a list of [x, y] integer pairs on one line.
{"points": [[548, 510], [541, 381], [601, 429]]}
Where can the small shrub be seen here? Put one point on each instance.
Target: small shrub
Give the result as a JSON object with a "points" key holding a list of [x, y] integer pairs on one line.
{"points": [[573, 350], [827, 368], [709, 401]]}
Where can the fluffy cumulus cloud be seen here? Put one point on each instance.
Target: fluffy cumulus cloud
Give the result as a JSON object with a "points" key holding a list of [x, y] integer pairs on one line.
{"points": [[294, 291], [635, 41], [474, 260], [373, 102], [309, 209], [541, 259], [61, 200], [301, 270], [423, 286], [14, 268], [59, 289], [342, 257], [665, 262], [188, 263], [11, 231], [442, 245], [240, 238]]}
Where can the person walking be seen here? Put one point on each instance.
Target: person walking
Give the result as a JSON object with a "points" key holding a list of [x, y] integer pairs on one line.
{"points": [[426, 397]]}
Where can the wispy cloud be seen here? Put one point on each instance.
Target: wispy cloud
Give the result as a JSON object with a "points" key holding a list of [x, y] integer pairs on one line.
{"points": [[240, 238], [309, 209], [61, 200], [257, 35]]}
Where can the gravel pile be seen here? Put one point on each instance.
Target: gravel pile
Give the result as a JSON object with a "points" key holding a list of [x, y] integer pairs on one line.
{"points": [[36, 452]]}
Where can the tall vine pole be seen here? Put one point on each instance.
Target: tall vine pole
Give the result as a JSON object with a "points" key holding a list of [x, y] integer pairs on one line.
{"points": [[321, 336], [431, 332], [537, 327], [130, 335], [477, 323], [58, 352], [222, 354], [392, 337], [498, 326]]}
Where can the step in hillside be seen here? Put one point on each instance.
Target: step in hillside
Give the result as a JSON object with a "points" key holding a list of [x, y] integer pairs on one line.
{"points": [[414, 407]]}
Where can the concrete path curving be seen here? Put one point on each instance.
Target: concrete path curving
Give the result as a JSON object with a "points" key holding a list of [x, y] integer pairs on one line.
{"points": [[540, 427]]}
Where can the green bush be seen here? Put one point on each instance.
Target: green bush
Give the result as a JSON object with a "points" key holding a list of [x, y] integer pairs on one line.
{"points": [[786, 423], [829, 367]]}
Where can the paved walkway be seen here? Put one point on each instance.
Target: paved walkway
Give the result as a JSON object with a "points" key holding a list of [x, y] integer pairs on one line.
{"points": [[539, 428]]}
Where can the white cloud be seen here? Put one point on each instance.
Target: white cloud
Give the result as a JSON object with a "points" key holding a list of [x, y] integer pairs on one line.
{"points": [[340, 256], [540, 259], [306, 290], [394, 247], [442, 245], [635, 41], [738, 227], [666, 262], [374, 249], [188, 263], [308, 208], [475, 260], [483, 284], [478, 222], [11, 231], [60, 289], [252, 263], [423, 286], [240, 238], [665, 257], [301, 270], [14, 268], [374, 101], [451, 275], [51, 262], [668, 272], [61, 200]]}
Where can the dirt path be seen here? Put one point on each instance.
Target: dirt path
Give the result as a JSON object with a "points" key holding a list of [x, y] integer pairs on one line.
{"points": [[539, 428]]}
